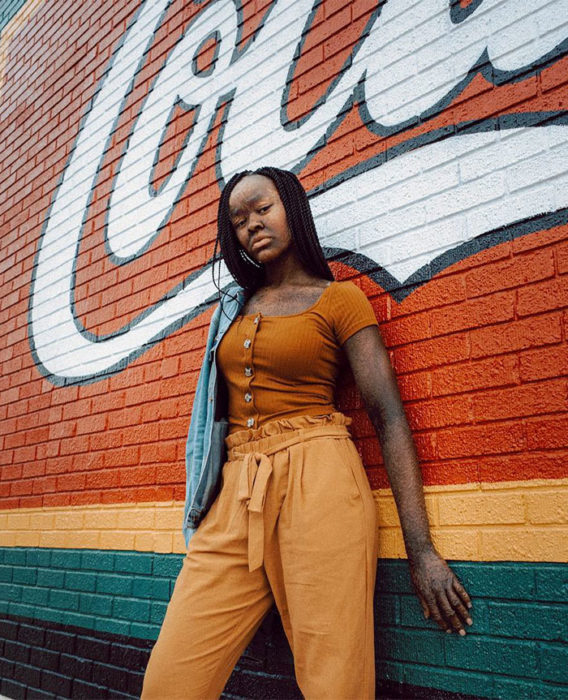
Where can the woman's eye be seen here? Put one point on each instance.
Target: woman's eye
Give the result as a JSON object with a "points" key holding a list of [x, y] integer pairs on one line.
{"points": [[263, 209]]}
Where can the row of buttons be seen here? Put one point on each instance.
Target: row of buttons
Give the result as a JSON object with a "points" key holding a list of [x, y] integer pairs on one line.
{"points": [[248, 373]]}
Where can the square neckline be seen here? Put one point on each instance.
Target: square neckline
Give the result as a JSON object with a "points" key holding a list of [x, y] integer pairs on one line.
{"points": [[299, 313]]}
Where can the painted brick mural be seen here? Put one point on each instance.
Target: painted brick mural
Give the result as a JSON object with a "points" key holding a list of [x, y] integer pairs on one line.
{"points": [[432, 138]]}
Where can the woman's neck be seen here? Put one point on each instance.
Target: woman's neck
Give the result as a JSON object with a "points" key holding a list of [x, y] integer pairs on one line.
{"points": [[286, 271]]}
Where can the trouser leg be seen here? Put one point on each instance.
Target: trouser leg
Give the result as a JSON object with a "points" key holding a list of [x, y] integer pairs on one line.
{"points": [[216, 607], [327, 543]]}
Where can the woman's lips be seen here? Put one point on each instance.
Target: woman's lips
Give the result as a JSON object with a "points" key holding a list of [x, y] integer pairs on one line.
{"points": [[259, 242]]}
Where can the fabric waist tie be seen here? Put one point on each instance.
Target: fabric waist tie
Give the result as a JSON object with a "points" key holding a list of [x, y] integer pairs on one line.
{"points": [[254, 477]]}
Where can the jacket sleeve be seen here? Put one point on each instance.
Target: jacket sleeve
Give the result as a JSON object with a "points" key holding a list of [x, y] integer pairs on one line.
{"points": [[195, 436]]}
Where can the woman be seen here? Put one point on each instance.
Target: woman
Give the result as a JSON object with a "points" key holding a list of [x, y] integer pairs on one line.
{"points": [[294, 522]]}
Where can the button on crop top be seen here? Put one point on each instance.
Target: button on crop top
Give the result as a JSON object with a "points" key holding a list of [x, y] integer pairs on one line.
{"points": [[282, 366]]}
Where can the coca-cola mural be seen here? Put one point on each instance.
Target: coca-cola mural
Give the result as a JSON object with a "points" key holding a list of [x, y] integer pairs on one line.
{"points": [[439, 175]]}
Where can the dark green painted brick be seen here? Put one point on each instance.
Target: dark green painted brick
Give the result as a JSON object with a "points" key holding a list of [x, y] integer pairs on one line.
{"points": [[143, 631], [80, 581], [51, 578], [387, 609], [142, 587], [515, 689], [497, 579], [21, 609], [97, 560], [448, 679], [167, 565], [41, 556], [105, 624], [554, 662], [157, 613], [393, 577], [77, 619], [131, 609], [16, 556], [38, 557], [133, 562], [65, 600], [10, 592], [412, 645], [66, 559], [24, 575], [5, 573], [507, 657], [390, 671], [95, 604], [35, 596], [552, 582], [529, 621], [161, 588], [114, 584]]}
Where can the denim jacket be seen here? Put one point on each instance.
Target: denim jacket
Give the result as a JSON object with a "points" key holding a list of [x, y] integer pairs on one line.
{"points": [[201, 476]]}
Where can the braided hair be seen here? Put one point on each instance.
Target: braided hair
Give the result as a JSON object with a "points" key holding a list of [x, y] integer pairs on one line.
{"points": [[247, 272]]}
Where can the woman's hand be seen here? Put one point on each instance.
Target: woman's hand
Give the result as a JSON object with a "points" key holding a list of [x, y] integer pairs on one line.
{"points": [[440, 592]]}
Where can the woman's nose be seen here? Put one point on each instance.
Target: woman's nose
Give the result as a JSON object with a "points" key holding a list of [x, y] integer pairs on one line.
{"points": [[254, 223]]}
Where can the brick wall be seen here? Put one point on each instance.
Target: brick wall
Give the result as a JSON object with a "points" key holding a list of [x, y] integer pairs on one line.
{"points": [[431, 137]]}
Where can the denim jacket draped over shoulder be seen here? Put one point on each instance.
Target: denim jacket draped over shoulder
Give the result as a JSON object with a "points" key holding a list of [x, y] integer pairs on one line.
{"points": [[202, 475]]}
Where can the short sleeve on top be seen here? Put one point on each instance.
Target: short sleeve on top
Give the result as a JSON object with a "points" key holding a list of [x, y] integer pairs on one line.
{"points": [[351, 311]]}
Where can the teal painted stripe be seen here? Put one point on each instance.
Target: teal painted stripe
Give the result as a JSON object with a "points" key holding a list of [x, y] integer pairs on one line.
{"points": [[8, 9], [517, 642]]}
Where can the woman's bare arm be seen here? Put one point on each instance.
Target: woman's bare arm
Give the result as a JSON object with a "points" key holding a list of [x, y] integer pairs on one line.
{"points": [[441, 594]]}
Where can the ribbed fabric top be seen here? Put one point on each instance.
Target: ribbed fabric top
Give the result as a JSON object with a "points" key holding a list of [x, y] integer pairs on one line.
{"points": [[283, 366]]}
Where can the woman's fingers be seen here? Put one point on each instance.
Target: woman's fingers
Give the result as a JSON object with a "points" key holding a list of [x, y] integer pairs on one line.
{"points": [[435, 613], [460, 590], [424, 604], [449, 615], [458, 606]]}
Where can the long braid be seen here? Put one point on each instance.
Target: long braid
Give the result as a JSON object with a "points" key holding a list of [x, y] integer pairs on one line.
{"points": [[248, 273]]}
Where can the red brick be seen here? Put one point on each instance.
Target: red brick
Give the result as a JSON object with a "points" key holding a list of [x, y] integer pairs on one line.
{"points": [[415, 386], [512, 272], [123, 456], [480, 374], [138, 475], [71, 482], [486, 439], [431, 353], [544, 363], [103, 479], [547, 433], [527, 333], [562, 257], [540, 239], [439, 413], [450, 472], [545, 296], [406, 329], [527, 465], [474, 313], [527, 400]]}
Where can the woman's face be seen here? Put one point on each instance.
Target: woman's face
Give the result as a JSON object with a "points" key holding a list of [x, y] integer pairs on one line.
{"points": [[259, 218]]}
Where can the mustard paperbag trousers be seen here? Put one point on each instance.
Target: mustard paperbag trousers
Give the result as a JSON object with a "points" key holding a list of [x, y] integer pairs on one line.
{"points": [[295, 524]]}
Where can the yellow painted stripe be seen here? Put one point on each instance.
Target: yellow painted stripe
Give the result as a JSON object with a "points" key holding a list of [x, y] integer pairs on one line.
{"points": [[499, 521], [23, 15]]}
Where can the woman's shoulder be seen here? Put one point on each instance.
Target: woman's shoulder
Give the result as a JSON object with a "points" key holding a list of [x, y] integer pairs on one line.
{"points": [[348, 290]]}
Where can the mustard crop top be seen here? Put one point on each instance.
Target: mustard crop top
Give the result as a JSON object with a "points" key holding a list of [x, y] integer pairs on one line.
{"points": [[282, 366]]}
